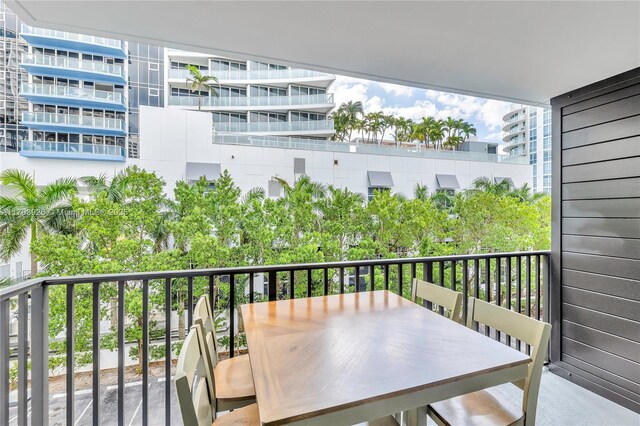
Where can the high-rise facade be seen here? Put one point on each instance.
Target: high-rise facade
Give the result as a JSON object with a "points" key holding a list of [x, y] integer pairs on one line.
{"points": [[527, 132], [69, 95], [254, 97]]}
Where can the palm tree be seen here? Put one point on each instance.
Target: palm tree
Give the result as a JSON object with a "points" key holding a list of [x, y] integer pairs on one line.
{"points": [[467, 129], [421, 192], [436, 133], [351, 111], [200, 82], [113, 190], [32, 211]]}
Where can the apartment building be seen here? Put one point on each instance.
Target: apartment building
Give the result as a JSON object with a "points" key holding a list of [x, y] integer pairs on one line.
{"points": [[254, 97], [527, 132]]}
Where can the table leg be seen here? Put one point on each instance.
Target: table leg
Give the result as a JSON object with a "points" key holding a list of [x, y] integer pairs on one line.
{"points": [[415, 417]]}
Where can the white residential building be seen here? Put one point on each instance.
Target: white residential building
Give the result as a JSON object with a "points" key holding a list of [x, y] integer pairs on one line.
{"points": [[527, 132]]}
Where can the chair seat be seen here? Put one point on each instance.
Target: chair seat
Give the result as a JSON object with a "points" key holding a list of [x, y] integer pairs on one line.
{"points": [[485, 407], [233, 379], [245, 416]]}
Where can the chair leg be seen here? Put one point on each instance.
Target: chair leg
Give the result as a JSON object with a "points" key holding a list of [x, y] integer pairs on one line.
{"points": [[415, 417]]}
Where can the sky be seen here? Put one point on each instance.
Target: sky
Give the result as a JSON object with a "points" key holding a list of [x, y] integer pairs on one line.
{"points": [[410, 102]]}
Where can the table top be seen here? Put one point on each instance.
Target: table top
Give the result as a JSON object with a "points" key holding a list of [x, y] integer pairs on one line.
{"points": [[319, 355]]}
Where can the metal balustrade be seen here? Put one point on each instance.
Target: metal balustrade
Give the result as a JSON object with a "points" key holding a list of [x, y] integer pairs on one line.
{"points": [[84, 93], [285, 74], [73, 120], [72, 148], [518, 281], [275, 126], [252, 101], [43, 32], [73, 63]]}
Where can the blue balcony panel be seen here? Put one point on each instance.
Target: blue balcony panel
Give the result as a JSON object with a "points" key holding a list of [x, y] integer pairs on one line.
{"points": [[54, 39], [75, 102], [69, 123], [73, 96], [72, 73], [72, 151]]}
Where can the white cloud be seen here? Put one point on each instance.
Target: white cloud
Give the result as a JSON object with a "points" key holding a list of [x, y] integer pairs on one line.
{"points": [[350, 89], [491, 113], [397, 89]]}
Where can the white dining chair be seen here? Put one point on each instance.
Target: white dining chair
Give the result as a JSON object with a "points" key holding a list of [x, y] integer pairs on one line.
{"points": [[441, 296], [487, 407], [197, 405], [232, 378]]}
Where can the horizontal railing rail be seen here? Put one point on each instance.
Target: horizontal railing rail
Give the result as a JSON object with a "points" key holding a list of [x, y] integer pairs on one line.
{"points": [[73, 63], [284, 74], [252, 101], [419, 151], [276, 126], [73, 120], [517, 281], [62, 35], [84, 93], [72, 148]]}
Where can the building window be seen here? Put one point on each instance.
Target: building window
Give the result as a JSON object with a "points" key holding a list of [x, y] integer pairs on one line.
{"points": [[372, 190], [154, 92]]}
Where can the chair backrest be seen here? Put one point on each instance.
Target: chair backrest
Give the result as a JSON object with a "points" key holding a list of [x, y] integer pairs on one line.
{"points": [[191, 382], [202, 312], [533, 332], [441, 296]]}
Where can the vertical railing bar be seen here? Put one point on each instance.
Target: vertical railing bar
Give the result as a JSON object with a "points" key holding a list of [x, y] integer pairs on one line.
{"points": [[309, 283], [326, 281], [167, 352], [357, 283], [528, 290], [341, 280], [441, 283], [538, 284], [273, 286], [292, 285], [39, 356], [545, 297], [400, 278], [95, 350], [232, 308], [465, 289], [23, 349], [414, 268], [427, 275], [476, 286], [212, 294], [487, 292], [4, 361], [145, 353], [453, 277], [498, 287], [519, 293], [508, 293], [251, 287], [70, 349], [189, 302], [372, 278], [386, 277], [121, 352]]}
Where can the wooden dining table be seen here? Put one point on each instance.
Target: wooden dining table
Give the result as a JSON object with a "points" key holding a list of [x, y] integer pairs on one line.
{"points": [[348, 358]]}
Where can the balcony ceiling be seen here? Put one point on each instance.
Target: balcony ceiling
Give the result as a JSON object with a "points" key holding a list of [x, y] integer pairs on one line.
{"points": [[521, 51]]}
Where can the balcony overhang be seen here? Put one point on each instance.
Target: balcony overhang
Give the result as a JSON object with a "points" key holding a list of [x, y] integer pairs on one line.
{"points": [[526, 52]]}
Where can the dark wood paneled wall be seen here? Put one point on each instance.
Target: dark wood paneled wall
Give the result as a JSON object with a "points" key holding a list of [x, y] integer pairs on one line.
{"points": [[595, 289]]}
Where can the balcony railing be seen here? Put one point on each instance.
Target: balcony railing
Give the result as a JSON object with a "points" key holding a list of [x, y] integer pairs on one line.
{"points": [[43, 32], [253, 101], [276, 127], [71, 120], [71, 150], [73, 64], [396, 151], [286, 74], [80, 93], [517, 281]]}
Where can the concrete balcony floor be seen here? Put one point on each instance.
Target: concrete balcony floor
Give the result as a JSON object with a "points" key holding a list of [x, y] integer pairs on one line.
{"points": [[562, 403]]}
